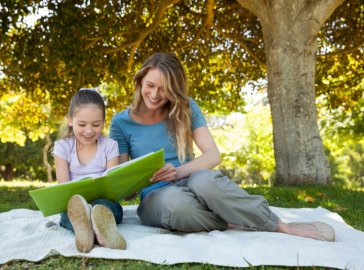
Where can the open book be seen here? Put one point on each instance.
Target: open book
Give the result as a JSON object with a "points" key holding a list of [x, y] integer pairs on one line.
{"points": [[115, 184]]}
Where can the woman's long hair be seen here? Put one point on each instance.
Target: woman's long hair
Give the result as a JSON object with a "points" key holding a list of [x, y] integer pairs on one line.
{"points": [[175, 86]]}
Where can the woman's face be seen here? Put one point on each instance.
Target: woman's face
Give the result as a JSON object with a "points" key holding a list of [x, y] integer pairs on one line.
{"points": [[153, 93]]}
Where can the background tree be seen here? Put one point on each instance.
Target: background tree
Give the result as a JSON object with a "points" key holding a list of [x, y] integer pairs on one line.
{"points": [[289, 33], [80, 43], [22, 120]]}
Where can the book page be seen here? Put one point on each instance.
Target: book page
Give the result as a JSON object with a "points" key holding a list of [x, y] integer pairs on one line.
{"points": [[85, 177], [125, 163], [90, 176]]}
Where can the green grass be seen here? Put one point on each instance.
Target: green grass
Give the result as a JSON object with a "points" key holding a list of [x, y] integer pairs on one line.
{"points": [[348, 203]]}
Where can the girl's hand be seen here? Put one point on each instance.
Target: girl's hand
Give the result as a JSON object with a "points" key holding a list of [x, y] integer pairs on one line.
{"points": [[166, 173]]}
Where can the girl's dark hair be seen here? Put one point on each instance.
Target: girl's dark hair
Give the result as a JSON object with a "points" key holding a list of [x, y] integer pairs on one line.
{"points": [[84, 96]]}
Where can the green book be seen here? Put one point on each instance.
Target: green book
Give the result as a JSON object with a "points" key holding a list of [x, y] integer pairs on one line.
{"points": [[115, 184]]}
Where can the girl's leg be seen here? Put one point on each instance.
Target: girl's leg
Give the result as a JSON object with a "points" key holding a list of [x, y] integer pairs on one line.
{"points": [[65, 222]]}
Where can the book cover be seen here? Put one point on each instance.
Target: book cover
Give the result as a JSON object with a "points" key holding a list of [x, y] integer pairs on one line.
{"points": [[115, 184]]}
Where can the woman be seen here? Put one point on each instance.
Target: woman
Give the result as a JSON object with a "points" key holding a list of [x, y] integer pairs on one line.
{"points": [[187, 195]]}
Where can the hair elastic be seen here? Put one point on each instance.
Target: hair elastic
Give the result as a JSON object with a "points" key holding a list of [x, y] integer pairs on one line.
{"points": [[89, 89]]}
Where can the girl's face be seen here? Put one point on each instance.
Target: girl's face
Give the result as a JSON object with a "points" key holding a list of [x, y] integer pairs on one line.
{"points": [[87, 123], [153, 92]]}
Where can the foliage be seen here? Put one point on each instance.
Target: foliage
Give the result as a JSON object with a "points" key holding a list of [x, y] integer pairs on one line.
{"points": [[90, 43], [246, 143], [343, 136], [73, 44], [23, 162], [340, 69], [77, 44], [22, 118]]}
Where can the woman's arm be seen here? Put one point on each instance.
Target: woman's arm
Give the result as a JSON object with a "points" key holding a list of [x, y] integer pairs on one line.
{"points": [[210, 154], [209, 158], [62, 169]]}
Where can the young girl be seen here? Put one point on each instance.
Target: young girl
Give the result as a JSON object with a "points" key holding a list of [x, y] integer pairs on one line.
{"points": [[83, 150]]}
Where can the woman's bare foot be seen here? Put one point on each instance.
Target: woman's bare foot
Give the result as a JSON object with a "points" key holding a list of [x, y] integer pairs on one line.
{"points": [[316, 230]]}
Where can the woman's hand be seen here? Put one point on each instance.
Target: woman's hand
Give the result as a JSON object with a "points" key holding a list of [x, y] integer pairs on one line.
{"points": [[166, 173]]}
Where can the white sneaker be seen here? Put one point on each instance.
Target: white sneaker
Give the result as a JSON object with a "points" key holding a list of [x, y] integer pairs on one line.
{"points": [[79, 213], [104, 225]]}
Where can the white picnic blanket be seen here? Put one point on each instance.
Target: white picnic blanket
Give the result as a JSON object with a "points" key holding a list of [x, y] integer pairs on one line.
{"points": [[27, 235]]}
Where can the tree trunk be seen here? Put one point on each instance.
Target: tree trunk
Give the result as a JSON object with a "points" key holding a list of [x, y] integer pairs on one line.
{"points": [[289, 33], [47, 166], [298, 148], [7, 172]]}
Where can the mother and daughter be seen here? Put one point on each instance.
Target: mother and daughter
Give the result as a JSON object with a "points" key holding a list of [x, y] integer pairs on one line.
{"points": [[186, 194]]}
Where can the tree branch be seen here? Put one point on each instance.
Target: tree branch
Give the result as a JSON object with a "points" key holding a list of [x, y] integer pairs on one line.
{"points": [[254, 6], [242, 44], [258, 8], [94, 40], [208, 22], [321, 10], [45, 149], [344, 51], [142, 35]]}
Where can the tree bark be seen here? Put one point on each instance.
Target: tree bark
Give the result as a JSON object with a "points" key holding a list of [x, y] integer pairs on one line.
{"points": [[8, 172], [47, 166], [289, 33]]}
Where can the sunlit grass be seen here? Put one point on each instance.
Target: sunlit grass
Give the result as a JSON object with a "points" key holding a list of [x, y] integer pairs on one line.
{"points": [[22, 183]]}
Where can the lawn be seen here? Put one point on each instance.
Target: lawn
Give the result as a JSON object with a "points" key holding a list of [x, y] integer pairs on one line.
{"points": [[348, 203]]}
